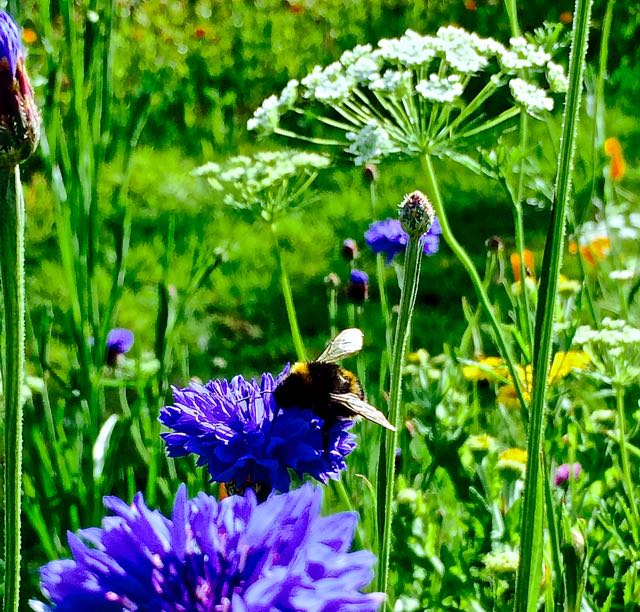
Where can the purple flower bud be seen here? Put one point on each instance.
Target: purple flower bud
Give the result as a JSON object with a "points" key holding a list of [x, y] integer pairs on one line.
{"points": [[119, 342], [370, 173], [19, 117], [358, 289], [416, 214], [494, 244], [563, 473], [350, 249]]}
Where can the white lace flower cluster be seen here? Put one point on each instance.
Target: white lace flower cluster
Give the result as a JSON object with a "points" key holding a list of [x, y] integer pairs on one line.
{"points": [[397, 97], [369, 144], [258, 180], [614, 349]]}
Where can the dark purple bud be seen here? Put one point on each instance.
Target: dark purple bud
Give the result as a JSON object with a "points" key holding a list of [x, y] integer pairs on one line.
{"points": [[119, 342], [350, 249], [494, 244], [19, 117], [358, 289], [370, 173], [563, 473]]}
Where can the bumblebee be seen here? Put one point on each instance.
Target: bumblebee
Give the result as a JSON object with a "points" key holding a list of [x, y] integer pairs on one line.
{"points": [[331, 391]]}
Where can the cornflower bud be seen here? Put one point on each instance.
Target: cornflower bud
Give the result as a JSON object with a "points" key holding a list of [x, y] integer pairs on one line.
{"points": [[494, 244], [119, 342], [358, 288], [370, 173], [332, 280], [19, 117], [416, 214], [350, 249]]}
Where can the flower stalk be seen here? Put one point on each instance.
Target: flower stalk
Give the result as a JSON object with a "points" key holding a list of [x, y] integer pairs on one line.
{"points": [[411, 276], [531, 533], [12, 224]]}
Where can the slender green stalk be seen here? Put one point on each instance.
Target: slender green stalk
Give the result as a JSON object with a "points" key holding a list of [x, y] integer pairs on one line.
{"points": [[531, 533], [296, 336], [465, 260], [12, 223], [412, 260], [624, 459]]}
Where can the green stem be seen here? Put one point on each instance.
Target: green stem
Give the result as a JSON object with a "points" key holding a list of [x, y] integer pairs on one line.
{"points": [[465, 260], [624, 458], [296, 336], [411, 277], [12, 223], [531, 533]]}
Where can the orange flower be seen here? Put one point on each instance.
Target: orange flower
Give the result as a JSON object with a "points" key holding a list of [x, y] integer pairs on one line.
{"points": [[470, 5], [528, 264], [594, 251], [613, 149], [200, 32], [566, 17], [29, 36]]}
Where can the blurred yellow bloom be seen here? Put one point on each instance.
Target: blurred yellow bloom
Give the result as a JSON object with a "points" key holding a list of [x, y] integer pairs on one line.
{"points": [[485, 369], [563, 363], [480, 442], [509, 399], [512, 459], [568, 285], [618, 166]]}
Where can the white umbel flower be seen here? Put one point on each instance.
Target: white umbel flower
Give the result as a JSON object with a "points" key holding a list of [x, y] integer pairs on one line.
{"points": [[369, 144], [533, 98], [440, 90]]}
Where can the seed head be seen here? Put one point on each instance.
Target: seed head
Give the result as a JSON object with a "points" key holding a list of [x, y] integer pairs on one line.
{"points": [[416, 214]]}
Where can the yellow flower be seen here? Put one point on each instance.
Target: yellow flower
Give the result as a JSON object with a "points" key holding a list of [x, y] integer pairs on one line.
{"points": [[563, 363], [568, 285], [485, 369], [512, 459], [480, 442], [508, 397]]}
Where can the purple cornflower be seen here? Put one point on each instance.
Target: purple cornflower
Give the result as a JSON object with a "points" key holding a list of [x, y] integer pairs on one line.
{"points": [[119, 342], [245, 440], [563, 473], [358, 288], [19, 117], [230, 555], [388, 237]]}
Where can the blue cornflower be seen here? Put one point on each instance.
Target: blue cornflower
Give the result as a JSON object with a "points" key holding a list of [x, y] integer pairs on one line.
{"points": [[19, 117], [10, 46], [230, 555], [119, 342], [245, 440], [388, 237]]}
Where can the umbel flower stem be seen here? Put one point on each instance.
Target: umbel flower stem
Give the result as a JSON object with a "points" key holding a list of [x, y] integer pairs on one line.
{"points": [[412, 260], [531, 530], [285, 285], [12, 223], [465, 260]]}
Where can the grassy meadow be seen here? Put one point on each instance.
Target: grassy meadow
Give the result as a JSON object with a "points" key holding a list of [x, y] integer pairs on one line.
{"points": [[512, 375]]}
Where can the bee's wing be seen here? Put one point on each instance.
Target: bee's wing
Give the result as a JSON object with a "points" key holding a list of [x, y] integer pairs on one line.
{"points": [[361, 408], [345, 344]]}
